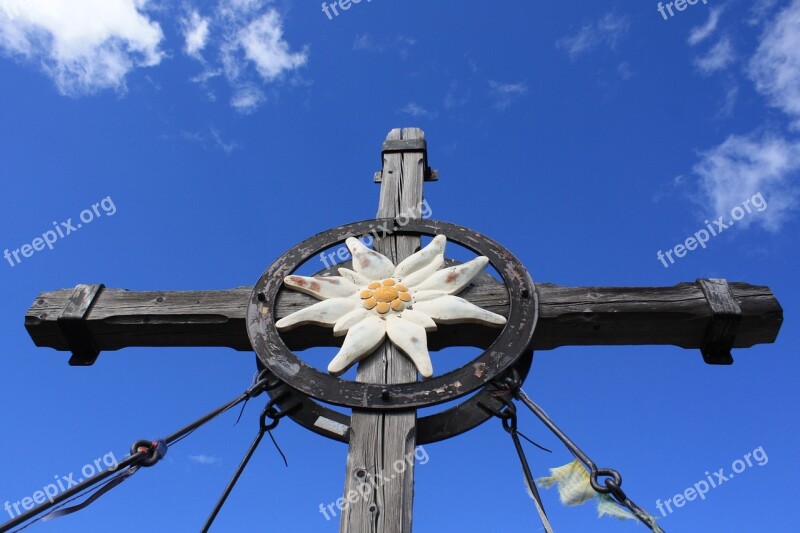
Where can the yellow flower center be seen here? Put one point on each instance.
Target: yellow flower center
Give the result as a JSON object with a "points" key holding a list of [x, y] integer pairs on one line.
{"points": [[385, 295]]}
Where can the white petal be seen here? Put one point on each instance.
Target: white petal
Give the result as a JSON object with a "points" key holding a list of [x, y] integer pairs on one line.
{"points": [[422, 264], [324, 313], [349, 320], [424, 296], [368, 262], [361, 340], [420, 319], [354, 276], [322, 287], [455, 310], [453, 279], [412, 339]]}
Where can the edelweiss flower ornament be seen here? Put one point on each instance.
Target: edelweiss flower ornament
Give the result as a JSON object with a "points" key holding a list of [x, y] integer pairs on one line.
{"points": [[377, 299]]}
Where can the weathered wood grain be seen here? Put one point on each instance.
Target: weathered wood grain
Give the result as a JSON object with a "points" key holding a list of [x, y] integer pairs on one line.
{"points": [[380, 440], [568, 316]]}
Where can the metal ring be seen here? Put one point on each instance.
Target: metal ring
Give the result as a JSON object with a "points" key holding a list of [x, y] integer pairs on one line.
{"points": [[152, 456], [608, 473], [506, 350], [451, 422]]}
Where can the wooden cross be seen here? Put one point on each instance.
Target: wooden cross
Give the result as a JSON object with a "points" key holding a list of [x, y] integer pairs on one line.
{"points": [[710, 314]]}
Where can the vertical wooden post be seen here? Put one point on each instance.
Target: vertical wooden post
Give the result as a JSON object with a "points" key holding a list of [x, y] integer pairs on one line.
{"points": [[379, 441]]}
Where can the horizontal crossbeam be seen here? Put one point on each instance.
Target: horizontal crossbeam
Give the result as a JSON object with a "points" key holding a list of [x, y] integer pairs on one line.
{"points": [[681, 315]]}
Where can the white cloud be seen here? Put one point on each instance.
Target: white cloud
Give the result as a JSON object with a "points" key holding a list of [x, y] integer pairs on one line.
{"points": [[608, 30], [206, 75], [84, 45], [263, 44], [195, 33], [505, 93], [719, 57], [699, 34], [239, 9], [247, 99], [251, 50], [775, 67], [760, 10], [416, 110], [204, 459], [745, 165]]}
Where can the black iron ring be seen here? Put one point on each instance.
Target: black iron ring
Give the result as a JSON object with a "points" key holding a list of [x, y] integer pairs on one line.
{"points": [[152, 456], [610, 485], [451, 422], [504, 352]]}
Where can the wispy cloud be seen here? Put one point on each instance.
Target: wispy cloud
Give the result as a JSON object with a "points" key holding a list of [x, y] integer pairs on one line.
{"points": [[762, 162], [699, 34], [365, 42], [624, 70], [195, 33], [775, 67], [402, 44], [608, 30], [416, 110], [211, 138], [760, 11], [454, 97], [745, 165], [204, 459], [84, 45], [206, 75], [247, 99], [728, 105], [719, 57], [225, 146], [263, 44], [252, 52], [504, 94]]}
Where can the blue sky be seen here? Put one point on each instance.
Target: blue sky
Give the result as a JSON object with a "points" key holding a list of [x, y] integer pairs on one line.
{"points": [[210, 138]]}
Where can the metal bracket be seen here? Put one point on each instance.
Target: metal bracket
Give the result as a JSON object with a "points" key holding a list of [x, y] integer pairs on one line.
{"points": [[72, 324], [322, 420], [721, 332], [398, 146]]}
